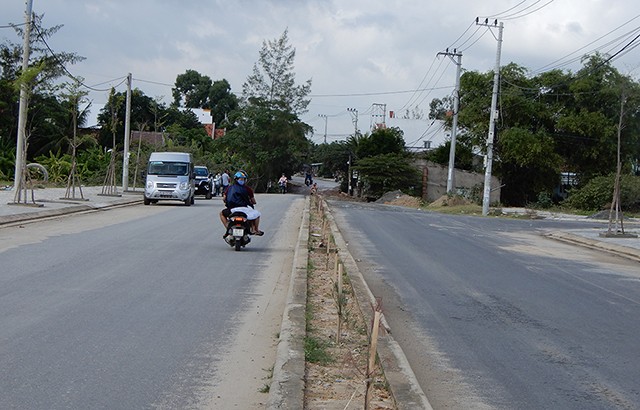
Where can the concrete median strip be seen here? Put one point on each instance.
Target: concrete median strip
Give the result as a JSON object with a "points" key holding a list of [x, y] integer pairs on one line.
{"points": [[288, 384], [402, 381]]}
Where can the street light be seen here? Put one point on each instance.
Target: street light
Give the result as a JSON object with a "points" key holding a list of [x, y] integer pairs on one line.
{"points": [[325, 126]]}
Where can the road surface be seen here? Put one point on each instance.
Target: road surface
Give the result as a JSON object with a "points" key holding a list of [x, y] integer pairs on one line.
{"points": [[142, 307], [491, 315]]}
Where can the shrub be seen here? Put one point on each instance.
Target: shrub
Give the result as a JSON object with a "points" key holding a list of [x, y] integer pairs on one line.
{"points": [[597, 194], [544, 201]]}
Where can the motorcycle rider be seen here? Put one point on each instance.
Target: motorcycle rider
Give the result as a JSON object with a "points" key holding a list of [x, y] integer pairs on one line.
{"points": [[239, 197]]}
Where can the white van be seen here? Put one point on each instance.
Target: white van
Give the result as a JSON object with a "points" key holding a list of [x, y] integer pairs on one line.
{"points": [[170, 176]]}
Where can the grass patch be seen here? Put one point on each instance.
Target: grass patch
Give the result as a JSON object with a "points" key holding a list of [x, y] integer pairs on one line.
{"points": [[469, 209], [315, 351]]}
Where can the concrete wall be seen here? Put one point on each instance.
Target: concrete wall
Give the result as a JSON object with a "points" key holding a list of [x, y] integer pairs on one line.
{"points": [[464, 181]]}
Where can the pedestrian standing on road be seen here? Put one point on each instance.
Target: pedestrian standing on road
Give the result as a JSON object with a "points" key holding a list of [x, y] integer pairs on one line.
{"points": [[282, 182], [217, 183], [225, 180]]}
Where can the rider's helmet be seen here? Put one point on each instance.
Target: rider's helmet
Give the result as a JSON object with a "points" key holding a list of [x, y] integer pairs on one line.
{"points": [[240, 174]]}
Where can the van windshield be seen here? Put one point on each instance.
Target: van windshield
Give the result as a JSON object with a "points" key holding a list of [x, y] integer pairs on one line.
{"points": [[168, 168]]}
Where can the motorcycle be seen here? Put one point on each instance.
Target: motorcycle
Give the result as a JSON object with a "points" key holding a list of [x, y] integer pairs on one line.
{"points": [[238, 230]]}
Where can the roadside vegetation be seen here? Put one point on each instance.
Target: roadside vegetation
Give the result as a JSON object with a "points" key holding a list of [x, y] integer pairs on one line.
{"points": [[338, 346], [579, 127]]}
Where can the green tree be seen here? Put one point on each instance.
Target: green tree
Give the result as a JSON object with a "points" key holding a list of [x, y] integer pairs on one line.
{"points": [[269, 138], [587, 126], [192, 90], [388, 172], [382, 162], [547, 123], [144, 110], [41, 78], [334, 158], [273, 78], [266, 142], [381, 141], [222, 102], [440, 155]]}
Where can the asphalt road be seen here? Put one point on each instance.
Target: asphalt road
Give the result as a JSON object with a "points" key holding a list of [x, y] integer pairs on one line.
{"points": [[492, 315], [139, 307]]}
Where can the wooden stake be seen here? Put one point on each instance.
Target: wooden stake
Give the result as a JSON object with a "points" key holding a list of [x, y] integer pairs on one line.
{"points": [[373, 346], [339, 279], [324, 227]]}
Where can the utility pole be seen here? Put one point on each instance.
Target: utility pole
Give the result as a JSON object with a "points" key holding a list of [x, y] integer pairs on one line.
{"points": [[325, 126], [354, 119], [354, 113], [378, 111], [486, 198], [127, 134], [454, 128], [18, 176]]}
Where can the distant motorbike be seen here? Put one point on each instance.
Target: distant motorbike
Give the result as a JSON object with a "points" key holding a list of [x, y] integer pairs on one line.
{"points": [[238, 230]]}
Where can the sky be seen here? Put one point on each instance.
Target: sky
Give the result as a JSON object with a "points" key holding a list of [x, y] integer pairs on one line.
{"points": [[366, 56]]}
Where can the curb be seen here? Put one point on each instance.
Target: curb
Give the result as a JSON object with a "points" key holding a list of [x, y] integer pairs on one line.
{"points": [[287, 386], [26, 217], [614, 249], [403, 383]]}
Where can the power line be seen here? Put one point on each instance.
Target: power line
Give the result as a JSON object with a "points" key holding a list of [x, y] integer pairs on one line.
{"points": [[154, 82], [517, 15], [61, 64], [376, 93], [11, 25], [506, 11], [419, 91], [453, 45], [593, 42], [475, 41]]}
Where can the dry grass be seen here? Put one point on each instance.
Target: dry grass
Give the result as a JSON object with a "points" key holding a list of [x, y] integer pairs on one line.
{"points": [[338, 379]]}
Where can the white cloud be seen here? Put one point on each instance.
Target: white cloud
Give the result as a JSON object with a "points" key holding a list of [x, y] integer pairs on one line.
{"points": [[349, 48]]}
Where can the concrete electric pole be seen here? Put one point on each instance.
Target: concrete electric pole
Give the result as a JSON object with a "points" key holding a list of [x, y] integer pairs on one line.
{"points": [[325, 126], [486, 198], [127, 134], [18, 176], [454, 127]]}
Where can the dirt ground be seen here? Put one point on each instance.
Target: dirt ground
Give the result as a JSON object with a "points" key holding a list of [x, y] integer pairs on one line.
{"points": [[336, 379]]}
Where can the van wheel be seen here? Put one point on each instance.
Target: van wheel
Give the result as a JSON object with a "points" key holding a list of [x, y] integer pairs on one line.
{"points": [[188, 201], [146, 201]]}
